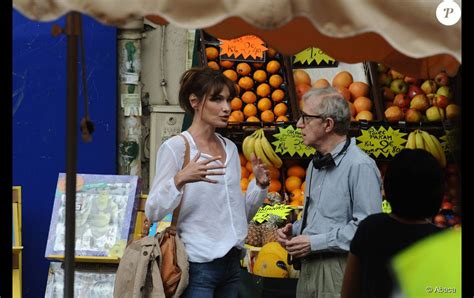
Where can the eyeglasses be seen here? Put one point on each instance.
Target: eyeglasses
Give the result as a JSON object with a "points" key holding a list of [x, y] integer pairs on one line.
{"points": [[307, 118]]}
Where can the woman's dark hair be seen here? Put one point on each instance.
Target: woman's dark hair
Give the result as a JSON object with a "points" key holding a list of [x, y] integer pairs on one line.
{"points": [[202, 81], [414, 184]]}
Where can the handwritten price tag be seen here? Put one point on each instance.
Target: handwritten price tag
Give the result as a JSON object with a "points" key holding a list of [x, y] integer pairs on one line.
{"points": [[386, 208], [312, 54], [381, 141], [289, 140], [247, 46], [281, 210]]}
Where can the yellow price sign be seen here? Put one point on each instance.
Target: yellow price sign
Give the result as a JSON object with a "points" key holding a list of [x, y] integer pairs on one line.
{"points": [[312, 54], [386, 208], [381, 141], [289, 140], [281, 210]]}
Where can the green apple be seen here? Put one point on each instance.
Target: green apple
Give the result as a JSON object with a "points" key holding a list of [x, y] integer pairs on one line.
{"points": [[399, 86], [434, 114], [446, 91]]}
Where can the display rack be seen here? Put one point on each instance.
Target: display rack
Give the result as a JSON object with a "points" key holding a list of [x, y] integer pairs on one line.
{"points": [[17, 245]]}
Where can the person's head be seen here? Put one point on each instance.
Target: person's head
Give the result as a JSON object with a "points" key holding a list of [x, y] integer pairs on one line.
{"points": [[324, 113], [206, 93], [414, 184]]}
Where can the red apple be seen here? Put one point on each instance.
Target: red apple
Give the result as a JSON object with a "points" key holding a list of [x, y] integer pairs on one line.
{"points": [[441, 101], [413, 91], [441, 79], [394, 114], [388, 94], [413, 116], [420, 102], [439, 219], [447, 206], [401, 100], [429, 86], [384, 79], [411, 80]]}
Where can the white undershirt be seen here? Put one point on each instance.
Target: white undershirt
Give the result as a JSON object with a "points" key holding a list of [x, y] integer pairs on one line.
{"points": [[213, 217]]}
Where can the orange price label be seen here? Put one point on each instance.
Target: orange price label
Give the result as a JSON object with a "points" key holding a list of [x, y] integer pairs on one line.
{"points": [[248, 45]]}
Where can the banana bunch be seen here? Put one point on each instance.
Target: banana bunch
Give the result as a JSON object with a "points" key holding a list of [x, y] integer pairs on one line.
{"points": [[420, 139], [258, 144]]}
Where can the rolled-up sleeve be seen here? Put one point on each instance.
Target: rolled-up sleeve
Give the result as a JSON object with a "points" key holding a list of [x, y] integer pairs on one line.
{"points": [[254, 197], [163, 197]]}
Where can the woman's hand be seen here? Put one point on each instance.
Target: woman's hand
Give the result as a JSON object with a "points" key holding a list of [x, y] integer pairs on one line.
{"points": [[196, 171], [260, 171]]}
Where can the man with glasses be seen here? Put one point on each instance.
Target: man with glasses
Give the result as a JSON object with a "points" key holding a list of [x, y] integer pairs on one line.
{"points": [[343, 186]]}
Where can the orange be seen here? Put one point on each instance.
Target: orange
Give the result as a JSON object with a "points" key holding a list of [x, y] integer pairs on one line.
{"points": [[362, 104], [251, 176], [275, 81], [273, 66], [267, 116], [342, 79], [232, 119], [358, 89], [274, 173], [263, 90], [213, 65], [296, 195], [236, 104], [249, 97], [280, 109], [344, 92], [244, 172], [237, 115], [364, 115], [257, 65], [264, 104], [244, 183], [246, 83], [243, 69], [227, 63], [278, 95], [271, 52], [252, 119], [282, 119], [260, 76], [242, 159], [321, 83], [250, 110], [231, 74], [211, 53], [352, 109], [237, 89], [249, 167], [292, 183], [301, 77], [275, 185], [303, 186], [297, 171], [301, 89]]}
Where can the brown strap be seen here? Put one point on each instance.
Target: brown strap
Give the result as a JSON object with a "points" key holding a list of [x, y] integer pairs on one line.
{"points": [[174, 221]]}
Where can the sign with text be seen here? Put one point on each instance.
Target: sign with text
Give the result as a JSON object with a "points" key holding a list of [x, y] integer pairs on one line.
{"points": [[381, 141], [289, 140], [314, 57], [281, 210], [245, 48]]}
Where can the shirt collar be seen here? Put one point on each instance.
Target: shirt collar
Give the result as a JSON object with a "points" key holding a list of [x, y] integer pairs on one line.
{"points": [[337, 149]]}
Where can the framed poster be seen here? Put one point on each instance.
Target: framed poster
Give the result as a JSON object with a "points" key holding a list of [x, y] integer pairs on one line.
{"points": [[105, 210], [90, 280]]}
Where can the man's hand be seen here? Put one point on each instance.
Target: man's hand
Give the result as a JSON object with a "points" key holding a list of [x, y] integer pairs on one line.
{"points": [[284, 234], [299, 246]]}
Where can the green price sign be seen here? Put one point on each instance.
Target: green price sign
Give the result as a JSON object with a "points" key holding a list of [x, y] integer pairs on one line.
{"points": [[381, 141], [281, 210], [289, 140]]}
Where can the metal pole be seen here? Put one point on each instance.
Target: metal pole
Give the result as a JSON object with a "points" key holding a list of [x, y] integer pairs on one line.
{"points": [[72, 33]]}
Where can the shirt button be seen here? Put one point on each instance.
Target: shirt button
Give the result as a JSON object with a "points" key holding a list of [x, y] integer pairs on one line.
{"points": [[145, 253]]}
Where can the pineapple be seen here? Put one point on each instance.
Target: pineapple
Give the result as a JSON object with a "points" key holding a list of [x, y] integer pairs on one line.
{"points": [[254, 236], [274, 198], [269, 229]]}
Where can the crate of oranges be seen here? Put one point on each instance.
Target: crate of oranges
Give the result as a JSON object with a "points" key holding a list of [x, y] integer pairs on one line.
{"points": [[263, 94]]}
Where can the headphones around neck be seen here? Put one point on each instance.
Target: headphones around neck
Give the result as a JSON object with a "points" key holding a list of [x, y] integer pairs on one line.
{"points": [[327, 161]]}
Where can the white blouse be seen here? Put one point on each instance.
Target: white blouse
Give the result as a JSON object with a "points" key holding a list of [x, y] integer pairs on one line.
{"points": [[213, 217]]}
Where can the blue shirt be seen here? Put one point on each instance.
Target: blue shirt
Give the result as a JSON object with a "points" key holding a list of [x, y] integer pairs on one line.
{"points": [[341, 197]]}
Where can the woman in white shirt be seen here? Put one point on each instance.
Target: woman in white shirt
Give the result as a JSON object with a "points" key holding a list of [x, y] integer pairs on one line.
{"points": [[214, 213]]}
